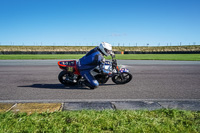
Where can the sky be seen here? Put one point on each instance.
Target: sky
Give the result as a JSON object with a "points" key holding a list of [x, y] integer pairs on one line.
{"points": [[90, 22]]}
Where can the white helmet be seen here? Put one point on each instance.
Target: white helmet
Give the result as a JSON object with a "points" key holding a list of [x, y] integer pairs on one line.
{"points": [[105, 48]]}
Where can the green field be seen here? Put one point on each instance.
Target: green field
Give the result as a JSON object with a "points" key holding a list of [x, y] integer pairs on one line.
{"points": [[107, 121], [87, 48], [178, 57]]}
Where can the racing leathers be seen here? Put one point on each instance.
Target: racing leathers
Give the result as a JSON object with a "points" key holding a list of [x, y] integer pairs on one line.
{"points": [[87, 63]]}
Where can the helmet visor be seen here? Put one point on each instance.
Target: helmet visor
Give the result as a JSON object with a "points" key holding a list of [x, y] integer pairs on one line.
{"points": [[108, 51]]}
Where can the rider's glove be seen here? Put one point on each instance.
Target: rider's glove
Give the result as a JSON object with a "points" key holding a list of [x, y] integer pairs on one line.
{"points": [[103, 70]]}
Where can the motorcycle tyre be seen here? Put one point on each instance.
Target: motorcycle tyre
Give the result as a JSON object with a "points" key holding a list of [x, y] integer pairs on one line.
{"points": [[126, 81], [64, 82]]}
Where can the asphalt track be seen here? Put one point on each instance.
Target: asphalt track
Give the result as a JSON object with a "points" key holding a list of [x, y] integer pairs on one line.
{"points": [[37, 80]]}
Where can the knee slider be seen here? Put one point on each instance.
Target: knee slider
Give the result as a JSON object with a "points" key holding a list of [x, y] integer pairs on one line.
{"points": [[95, 83]]}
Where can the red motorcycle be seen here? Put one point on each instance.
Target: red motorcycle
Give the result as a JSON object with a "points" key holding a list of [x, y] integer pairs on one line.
{"points": [[70, 74]]}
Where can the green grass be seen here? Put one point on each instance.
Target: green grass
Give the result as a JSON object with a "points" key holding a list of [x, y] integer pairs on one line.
{"points": [[40, 56], [159, 121], [180, 57], [87, 48]]}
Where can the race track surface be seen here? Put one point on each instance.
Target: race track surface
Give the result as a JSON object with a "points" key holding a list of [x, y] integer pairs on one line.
{"points": [[37, 80]]}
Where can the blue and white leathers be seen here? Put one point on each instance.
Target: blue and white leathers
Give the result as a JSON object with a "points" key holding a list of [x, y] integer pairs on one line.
{"points": [[88, 62]]}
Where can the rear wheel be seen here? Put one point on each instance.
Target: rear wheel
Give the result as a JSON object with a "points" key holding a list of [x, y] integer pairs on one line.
{"points": [[122, 78], [64, 78]]}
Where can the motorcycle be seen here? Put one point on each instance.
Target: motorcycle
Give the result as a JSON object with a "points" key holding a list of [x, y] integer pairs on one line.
{"points": [[70, 75]]}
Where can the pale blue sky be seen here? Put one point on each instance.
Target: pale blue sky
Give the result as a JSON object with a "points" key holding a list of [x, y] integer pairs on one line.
{"points": [[86, 22]]}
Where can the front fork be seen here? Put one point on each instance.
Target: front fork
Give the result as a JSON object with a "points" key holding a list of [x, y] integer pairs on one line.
{"points": [[119, 74]]}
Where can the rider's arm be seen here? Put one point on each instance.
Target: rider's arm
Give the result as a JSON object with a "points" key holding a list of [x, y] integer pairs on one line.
{"points": [[102, 65]]}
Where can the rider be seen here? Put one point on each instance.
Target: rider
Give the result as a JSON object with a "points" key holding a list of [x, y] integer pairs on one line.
{"points": [[91, 60]]}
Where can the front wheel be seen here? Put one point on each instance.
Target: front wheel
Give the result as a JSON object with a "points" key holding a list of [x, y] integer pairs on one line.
{"points": [[122, 78]]}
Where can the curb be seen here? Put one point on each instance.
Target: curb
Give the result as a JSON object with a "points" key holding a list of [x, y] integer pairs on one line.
{"points": [[31, 107]]}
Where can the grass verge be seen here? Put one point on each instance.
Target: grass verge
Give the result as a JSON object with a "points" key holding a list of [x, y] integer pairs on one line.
{"points": [[180, 57], [103, 121], [87, 48]]}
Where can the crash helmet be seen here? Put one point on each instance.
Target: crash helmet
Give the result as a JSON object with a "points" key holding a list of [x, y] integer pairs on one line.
{"points": [[105, 48]]}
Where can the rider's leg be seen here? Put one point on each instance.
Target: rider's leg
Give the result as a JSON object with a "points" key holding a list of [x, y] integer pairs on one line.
{"points": [[90, 80]]}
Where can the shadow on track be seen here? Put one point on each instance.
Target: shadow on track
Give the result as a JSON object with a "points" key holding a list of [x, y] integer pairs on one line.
{"points": [[55, 86], [60, 86]]}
